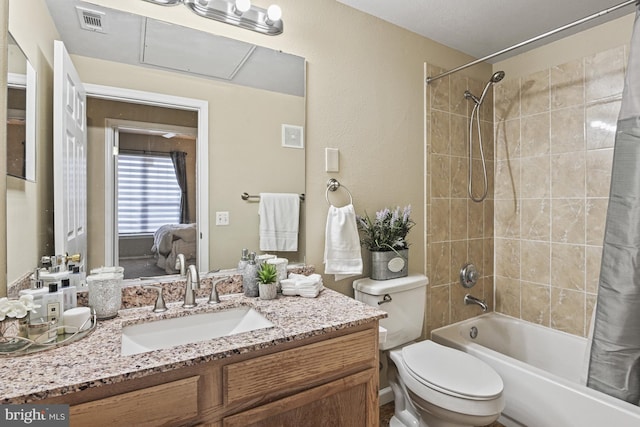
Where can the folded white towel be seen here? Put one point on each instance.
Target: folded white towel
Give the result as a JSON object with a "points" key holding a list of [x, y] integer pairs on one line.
{"points": [[279, 221], [342, 255], [305, 286]]}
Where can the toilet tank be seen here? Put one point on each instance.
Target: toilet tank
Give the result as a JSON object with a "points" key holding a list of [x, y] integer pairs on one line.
{"points": [[403, 299]]}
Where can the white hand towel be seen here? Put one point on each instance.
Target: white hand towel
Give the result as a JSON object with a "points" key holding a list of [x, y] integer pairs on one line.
{"points": [[342, 255], [279, 221]]}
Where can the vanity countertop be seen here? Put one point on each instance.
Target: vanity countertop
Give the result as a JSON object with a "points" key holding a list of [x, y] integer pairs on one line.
{"points": [[96, 360]]}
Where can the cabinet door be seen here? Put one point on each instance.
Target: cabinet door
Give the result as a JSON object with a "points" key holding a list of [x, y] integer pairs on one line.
{"points": [[347, 402]]}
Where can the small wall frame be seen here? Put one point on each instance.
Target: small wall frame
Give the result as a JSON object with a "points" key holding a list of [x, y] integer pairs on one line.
{"points": [[292, 136]]}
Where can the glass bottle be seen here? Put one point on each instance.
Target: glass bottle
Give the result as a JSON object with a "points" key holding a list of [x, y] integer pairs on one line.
{"points": [[250, 277]]}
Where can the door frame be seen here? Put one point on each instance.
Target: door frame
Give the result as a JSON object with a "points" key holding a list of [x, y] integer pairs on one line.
{"points": [[202, 162]]}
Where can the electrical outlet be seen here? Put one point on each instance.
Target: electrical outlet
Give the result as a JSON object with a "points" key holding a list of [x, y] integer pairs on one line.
{"points": [[222, 218]]}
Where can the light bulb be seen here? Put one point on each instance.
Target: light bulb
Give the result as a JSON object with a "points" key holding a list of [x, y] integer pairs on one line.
{"points": [[274, 13], [243, 6]]}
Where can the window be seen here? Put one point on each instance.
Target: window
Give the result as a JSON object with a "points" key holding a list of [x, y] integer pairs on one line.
{"points": [[148, 193]]}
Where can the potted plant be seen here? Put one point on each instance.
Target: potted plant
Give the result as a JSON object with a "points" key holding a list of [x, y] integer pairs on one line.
{"points": [[267, 281], [385, 237]]}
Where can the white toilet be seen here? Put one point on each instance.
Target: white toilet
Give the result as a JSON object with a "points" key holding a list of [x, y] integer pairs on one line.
{"points": [[433, 385]]}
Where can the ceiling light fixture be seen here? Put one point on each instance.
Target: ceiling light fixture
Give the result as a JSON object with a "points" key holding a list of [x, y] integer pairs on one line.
{"points": [[238, 12]]}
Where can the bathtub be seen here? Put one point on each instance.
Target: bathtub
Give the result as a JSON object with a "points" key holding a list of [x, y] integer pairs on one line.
{"points": [[542, 370]]}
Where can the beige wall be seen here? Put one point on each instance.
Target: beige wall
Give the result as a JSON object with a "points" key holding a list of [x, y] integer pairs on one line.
{"points": [[554, 134], [3, 137]]}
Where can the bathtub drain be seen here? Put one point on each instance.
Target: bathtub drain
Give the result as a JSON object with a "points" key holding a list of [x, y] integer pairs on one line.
{"points": [[473, 333]]}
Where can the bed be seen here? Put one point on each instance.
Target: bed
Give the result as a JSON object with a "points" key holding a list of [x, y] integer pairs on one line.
{"points": [[172, 239]]}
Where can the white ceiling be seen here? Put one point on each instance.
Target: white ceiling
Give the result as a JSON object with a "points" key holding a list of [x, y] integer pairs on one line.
{"points": [[482, 27]]}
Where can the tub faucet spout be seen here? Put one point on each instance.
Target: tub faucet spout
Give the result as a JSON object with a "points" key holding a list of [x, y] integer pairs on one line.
{"points": [[470, 299]]}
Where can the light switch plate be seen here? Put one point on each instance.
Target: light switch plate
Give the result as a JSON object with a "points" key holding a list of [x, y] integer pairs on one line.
{"points": [[222, 218], [331, 160]]}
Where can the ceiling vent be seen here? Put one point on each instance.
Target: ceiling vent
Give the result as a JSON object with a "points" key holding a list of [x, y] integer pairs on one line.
{"points": [[92, 20]]}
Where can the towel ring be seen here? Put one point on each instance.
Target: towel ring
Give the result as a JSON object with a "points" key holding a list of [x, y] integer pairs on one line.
{"points": [[333, 185]]}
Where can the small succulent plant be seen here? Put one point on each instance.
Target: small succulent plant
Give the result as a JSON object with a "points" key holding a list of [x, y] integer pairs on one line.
{"points": [[267, 273]]}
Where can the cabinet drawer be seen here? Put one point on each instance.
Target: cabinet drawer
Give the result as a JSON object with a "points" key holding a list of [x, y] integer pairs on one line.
{"points": [[298, 368], [164, 404]]}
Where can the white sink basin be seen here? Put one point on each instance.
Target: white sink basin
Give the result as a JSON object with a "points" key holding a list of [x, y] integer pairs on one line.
{"points": [[168, 333]]}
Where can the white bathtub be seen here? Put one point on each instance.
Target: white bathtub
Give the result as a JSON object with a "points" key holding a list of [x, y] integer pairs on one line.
{"points": [[542, 370]]}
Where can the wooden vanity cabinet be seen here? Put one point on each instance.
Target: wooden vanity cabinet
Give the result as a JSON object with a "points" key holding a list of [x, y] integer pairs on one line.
{"points": [[327, 380]]}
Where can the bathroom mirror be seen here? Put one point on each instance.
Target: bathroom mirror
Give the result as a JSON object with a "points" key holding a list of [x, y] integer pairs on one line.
{"points": [[245, 114], [21, 120]]}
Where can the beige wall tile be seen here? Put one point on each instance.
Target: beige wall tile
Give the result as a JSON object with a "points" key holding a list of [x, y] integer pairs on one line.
{"points": [[457, 102], [459, 136], [507, 181], [568, 266], [439, 263], [536, 221], [599, 163], [488, 208], [440, 167], [567, 84], [568, 220], [475, 219], [439, 134], [567, 130], [596, 220], [438, 89], [568, 311], [459, 257], [507, 218], [534, 93], [604, 74], [536, 303], [475, 254], [568, 175], [507, 294], [535, 262], [458, 219], [507, 258], [488, 251], [440, 220], [440, 307], [536, 180], [508, 139], [459, 310], [507, 99], [535, 135], [594, 260], [602, 120]]}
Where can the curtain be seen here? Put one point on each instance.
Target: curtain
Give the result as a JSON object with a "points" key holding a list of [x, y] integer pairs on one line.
{"points": [[179, 159], [614, 366]]}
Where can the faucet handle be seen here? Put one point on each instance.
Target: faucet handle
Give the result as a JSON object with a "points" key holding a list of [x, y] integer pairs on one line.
{"points": [[214, 298], [160, 305]]}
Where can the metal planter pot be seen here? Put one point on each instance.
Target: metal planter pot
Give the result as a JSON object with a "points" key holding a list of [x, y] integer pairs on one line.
{"points": [[390, 264]]}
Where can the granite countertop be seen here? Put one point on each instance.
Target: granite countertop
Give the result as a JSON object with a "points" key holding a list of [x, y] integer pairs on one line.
{"points": [[96, 360]]}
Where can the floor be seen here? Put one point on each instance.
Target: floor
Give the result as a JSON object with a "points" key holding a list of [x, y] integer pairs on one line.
{"points": [[140, 267], [386, 412]]}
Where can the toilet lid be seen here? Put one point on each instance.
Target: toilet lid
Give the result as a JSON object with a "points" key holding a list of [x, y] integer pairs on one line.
{"points": [[451, 371]]}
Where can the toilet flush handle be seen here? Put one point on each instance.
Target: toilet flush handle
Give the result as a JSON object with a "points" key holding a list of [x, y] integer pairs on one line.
{"points": [[385, 299]]}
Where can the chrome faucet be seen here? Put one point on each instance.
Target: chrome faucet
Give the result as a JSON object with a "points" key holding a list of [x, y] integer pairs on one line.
{"points": [[214, 298], [181, 265], [470, 299], [192, 283]]}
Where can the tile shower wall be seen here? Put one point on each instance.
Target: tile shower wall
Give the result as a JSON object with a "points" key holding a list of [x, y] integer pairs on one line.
{"points": [[458, 230], [554, 132]]}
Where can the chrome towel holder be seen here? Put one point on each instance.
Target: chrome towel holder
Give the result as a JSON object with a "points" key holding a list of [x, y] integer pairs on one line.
{"points": [[332, 185], [247, 196]]}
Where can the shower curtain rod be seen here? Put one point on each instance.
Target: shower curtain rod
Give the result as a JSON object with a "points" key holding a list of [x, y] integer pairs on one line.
{"points": [[526, 42]]}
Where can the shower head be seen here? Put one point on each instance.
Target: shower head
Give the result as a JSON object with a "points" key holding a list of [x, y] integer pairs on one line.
{"points": [[497, 76]]}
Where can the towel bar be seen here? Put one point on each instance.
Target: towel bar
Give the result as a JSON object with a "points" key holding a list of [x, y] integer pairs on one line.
{"points": [[247, 196], [333, 185]]}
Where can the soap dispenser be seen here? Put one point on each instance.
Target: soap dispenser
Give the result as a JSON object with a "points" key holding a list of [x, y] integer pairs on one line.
{"points": [[244, 260], [250, 277]]}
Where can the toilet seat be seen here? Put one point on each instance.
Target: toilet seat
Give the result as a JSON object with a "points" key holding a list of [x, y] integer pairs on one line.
{"points": [[451, 371]]}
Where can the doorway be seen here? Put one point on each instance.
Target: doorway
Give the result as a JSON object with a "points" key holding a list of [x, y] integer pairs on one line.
{"points": [[185, 120]]}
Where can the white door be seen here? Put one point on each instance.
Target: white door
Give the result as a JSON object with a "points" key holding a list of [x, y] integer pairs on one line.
{"points": [[69, 157]]}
